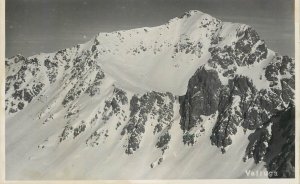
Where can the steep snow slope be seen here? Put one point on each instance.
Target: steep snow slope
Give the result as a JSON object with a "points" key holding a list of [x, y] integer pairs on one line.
{"points": [[172, 101]]}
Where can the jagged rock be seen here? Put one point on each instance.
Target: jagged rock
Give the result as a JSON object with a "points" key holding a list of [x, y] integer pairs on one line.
{"points": [[163, 141], [140, 108], [283, 163], [188, 138], [51, 69], [258, 144], [67, 131], [79, 129], [238, 104], [94, 88], [202, 97]]}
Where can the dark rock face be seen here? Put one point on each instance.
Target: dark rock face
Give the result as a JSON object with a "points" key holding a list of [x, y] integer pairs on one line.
{"points": [[202, 97], [233, 110], [274, 144], [247, 38], [284, 161], [206, 95], [163, 141], [281, 66], [188, 138], [258, 144], [238, 103]]}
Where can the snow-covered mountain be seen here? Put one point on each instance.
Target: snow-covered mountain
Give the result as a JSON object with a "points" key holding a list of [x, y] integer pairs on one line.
{"points": [[193, 98]]}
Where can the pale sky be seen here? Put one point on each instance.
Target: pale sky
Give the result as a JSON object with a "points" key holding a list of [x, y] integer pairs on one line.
{"points": [[34, 26]]}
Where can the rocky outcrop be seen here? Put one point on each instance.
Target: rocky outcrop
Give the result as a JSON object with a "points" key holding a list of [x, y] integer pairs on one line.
{"points": [[202, 98], [152, 106], [238, 103], [283, 162], [22, 93]]}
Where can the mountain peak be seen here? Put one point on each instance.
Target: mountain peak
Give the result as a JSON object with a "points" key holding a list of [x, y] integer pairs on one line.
{"points": [[191, 13], [152, 93]]}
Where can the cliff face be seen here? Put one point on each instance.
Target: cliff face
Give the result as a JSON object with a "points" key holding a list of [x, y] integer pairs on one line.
{"points": [[244, 100], [240, 100], [152, 99]]}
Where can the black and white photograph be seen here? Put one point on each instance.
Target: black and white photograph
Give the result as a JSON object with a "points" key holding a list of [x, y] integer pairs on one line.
{"points": [[150, 90]]}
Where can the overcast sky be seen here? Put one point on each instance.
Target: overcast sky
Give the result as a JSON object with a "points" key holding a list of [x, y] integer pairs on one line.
{"points": [[34, 26]]}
